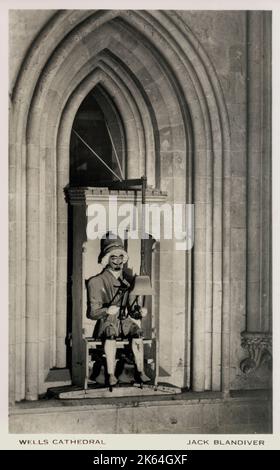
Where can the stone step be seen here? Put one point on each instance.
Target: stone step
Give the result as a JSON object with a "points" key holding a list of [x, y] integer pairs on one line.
{"points": [[58, 378]]}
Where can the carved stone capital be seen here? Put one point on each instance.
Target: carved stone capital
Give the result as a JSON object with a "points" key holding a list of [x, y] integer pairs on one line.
{"points": [[259, 349]]}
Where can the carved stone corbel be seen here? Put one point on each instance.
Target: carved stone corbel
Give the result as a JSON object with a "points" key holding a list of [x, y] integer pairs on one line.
{"points": [[259, 348]]}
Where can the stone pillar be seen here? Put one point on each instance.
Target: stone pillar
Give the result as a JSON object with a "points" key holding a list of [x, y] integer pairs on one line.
{"points": [[257, 337], [174, 308], [259, 172], [33, 271], [17, 288], [62, 252]]}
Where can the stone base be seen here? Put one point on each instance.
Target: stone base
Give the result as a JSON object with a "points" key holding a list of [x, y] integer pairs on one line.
{"points": [[188, 413], [116, 392], [58, 378]]}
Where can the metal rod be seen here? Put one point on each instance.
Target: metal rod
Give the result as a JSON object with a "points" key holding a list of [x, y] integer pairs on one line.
{"points": [[96, 155], [143, 234], [115, 151], [156, 360]]}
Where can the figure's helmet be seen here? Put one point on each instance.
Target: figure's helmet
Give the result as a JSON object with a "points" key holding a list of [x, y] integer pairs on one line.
{"points": [[111, 244]]}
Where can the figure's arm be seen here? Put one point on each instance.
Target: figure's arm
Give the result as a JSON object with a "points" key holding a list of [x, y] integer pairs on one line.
{"points": [[95, 306]]}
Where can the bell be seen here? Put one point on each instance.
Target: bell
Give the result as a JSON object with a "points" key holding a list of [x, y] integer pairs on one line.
{"points": [[127, 374], [100, 379], [142, 286]]}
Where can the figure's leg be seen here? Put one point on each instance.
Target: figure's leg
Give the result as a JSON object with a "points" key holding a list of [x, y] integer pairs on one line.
{"points": [[138, 351], [110, 349], [133, 330]]}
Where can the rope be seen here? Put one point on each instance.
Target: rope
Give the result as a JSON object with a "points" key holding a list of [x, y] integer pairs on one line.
{"points": [[118, 161], [96, 155]]}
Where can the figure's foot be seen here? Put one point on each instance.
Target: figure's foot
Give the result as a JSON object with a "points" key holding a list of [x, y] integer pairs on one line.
{"points": [[112, 380], [143, 377]]}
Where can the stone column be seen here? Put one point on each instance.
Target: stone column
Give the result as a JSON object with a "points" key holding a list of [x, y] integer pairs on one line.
{"points": [[17, 288], [258, 282], [33, 272], [259, 157], [62, 247]]}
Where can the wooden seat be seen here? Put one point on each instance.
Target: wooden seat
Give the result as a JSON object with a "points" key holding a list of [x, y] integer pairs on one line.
{"points": [[91, 343]]}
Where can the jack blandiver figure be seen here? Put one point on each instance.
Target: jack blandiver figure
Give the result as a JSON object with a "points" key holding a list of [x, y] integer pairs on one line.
{"points": [[115, 309]]}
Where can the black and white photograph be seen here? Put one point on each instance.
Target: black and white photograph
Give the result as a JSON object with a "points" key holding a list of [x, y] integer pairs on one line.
{"points": [[140, 225]]}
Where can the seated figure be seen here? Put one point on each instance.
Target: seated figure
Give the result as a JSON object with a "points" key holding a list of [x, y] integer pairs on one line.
{"points": [[114, 308]]}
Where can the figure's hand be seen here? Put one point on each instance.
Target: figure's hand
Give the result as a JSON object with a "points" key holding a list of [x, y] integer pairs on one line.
{"points": [[144, 311], [113, 310], [137, 312]]}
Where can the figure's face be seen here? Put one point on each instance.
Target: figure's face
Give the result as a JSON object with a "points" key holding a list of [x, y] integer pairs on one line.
{"points": [[116, 262]]}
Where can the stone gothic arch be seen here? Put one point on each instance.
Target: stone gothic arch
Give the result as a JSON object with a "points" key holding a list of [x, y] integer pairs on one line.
{"points": [[176, 128]]}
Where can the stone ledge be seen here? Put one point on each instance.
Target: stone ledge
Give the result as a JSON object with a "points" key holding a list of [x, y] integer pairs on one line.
{"points": [[215, 415], [186, 398]]}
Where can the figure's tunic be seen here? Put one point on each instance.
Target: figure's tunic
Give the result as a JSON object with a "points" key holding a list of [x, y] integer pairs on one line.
{"points": [[105, 290]]}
